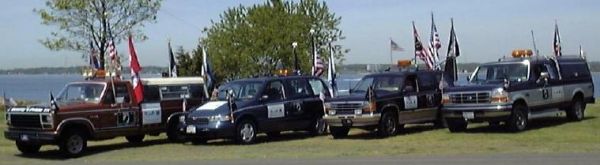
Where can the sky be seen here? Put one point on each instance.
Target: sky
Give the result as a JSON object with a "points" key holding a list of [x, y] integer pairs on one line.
{"points": [[486, 29]]}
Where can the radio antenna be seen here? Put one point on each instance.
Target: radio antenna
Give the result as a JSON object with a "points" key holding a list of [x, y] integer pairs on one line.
{"points": [[537, 52]]}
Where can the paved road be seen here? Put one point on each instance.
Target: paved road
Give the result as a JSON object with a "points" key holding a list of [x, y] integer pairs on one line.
{"points": [[496, 159]]}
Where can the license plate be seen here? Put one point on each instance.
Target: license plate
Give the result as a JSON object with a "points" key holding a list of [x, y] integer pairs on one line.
{"points": [[190, 129], [468, 115]]}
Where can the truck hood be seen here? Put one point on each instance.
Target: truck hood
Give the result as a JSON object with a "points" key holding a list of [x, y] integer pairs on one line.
{"points": [[473, 87], [212, 108], [352, 97]]}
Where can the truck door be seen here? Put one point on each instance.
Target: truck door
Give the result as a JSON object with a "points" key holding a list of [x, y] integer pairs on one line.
{"points": [[303, 103], [429, 97], [276, 106], [411, 99], [124, 116]]}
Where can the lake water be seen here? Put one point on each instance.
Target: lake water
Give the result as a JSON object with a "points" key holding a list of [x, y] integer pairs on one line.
{"points": [[38, 87]]}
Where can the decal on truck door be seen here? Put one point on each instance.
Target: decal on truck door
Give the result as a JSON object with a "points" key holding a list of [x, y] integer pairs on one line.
{"points": [[126, 118], [410, 102], [151, 113], [275, 111]]}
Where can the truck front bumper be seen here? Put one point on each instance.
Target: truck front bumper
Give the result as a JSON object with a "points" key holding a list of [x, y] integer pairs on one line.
{"points": [[352, 120], [477, 112], [30, 136]]}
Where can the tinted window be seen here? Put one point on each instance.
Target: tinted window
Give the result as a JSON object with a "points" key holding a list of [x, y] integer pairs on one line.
{"points": [[243, 90], [274, 91], [196, 91], [574, 70], [299, 88], [388, 83], [318, 87], [151, 93], [174, 92], [427, 82], [499, 72], [122, 93]]}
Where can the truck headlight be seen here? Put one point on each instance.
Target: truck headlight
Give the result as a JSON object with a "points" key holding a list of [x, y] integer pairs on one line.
{"points": [[47, 118], [445, 98], [331, 112], [219, 118], [499, 96], [7, 116], [369, 106]]}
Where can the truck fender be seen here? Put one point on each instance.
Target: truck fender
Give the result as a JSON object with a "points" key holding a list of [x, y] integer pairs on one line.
{"points": [[173, 116], [79, 120]]}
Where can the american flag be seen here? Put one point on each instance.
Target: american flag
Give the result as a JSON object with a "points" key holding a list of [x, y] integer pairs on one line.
{"points": [[94, 63], [434, 41], [557, 47], [112, 51], [317, 67], [421, 52], [394, 46]]}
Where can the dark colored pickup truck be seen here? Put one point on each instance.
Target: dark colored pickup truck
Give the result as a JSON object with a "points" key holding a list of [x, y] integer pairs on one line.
{"points": [[385, 102], [89, 110]]}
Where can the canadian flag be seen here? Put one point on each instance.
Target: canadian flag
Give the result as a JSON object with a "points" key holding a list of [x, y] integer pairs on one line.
{"points": [[135, 70]]}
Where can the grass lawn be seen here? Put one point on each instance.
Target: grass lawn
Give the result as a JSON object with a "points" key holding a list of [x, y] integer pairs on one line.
{"points": [[553, 135]]}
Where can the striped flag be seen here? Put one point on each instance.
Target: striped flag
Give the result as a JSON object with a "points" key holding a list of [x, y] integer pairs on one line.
{"points": [[317, 67], [434, 42], [421, 52], [134, 64], [94, 63], [394, 46], [207, 74], [557, 46]]}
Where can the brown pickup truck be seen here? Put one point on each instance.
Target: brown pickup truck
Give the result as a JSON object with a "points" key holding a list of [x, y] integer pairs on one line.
{"points": [[103, 109]]}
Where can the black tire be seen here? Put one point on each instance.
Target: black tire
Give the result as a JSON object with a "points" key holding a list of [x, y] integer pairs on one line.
{"points": [[135, 138], [339, 132], [173, 134], [577, 110], [388, 125], [73, 143], [318, 127], [246, 132], [274, 134], [27, 148], [198, 141], [518, 119], [457, 125]]}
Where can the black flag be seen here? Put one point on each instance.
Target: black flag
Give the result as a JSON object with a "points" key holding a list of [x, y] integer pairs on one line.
{"points": [[172, 63]]}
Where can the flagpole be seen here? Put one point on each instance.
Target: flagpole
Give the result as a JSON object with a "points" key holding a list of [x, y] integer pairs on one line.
{"points": [[537, 52], [391, 59], [415, 52], [314, 49]]}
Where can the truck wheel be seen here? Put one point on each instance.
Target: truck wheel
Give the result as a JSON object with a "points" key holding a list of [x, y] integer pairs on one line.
{"points": [[387, 125], [173, 133], [246, 132], [26, 148], [135, 138], [576, 111], [73, 144], [339, 132], [518, 119], [318, 127], [456, 125]]}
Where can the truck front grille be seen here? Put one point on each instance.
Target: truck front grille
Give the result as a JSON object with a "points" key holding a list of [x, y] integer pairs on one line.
{"points": [[197, 120], [27, 121], [470, 98], [345, 108]]}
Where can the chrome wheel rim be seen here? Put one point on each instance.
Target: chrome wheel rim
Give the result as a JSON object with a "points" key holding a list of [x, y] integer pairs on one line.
{"points": [[578, 110], [521, 121], [247, 132], [390, 125], [75, 144]]}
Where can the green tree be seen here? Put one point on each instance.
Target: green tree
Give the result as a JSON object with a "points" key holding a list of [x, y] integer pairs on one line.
{"points": [[189, 64], [251, 39], [80, 22]]}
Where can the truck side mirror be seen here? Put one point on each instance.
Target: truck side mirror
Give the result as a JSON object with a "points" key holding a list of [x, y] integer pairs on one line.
{"points": [[543, 78]]}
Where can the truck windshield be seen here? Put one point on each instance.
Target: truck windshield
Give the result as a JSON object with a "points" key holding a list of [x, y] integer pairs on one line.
{"points": [[380, 83], [73, 93], [499, 72], [243, 90]]}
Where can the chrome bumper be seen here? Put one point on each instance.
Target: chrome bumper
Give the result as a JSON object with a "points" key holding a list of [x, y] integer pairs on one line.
{"points": [[352, 120], [479, 111]]}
